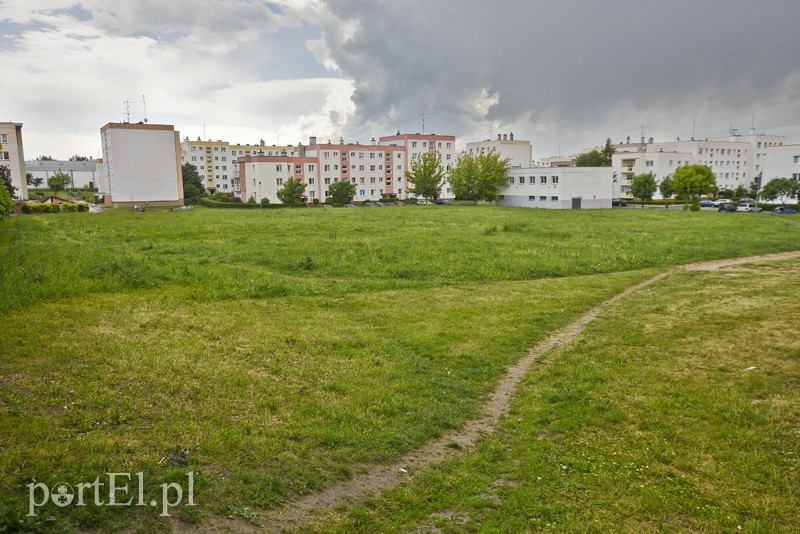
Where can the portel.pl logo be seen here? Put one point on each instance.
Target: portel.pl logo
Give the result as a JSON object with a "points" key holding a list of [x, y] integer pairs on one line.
{"points": [[118, 491]]}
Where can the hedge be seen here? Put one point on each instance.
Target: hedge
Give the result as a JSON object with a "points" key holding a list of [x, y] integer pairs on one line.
{"points": [[32, 208], [207, 202]]}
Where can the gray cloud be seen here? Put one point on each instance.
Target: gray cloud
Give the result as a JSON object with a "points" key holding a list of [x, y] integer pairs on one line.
{"points": [[577, 68]]}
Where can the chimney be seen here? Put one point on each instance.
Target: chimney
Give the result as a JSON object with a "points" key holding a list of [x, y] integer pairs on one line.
{"points": [[262, 143], [651, 140], [312, 140], [511, 136]]}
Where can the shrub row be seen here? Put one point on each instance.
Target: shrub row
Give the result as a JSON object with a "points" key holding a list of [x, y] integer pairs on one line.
{"points": [[41, 207], [207, 202]]}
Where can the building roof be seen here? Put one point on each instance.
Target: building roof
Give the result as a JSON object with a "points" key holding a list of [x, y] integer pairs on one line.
{"points": [[60, 165], [135, 126]]}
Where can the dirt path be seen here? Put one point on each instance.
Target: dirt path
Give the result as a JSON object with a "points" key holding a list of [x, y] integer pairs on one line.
{"points": [[301, 512], [719, 264]]}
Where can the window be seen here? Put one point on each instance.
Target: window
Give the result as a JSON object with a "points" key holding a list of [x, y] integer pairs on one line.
{"points": [[224, 158], [372, 168], [796, 176], [648, 163], [279, 181], [311, 181], [326, 168], [361, 180], [311, 168], [361, 192], [360, 155], [278, 168], [414, 144], [424, 144], [372, 180], [531, 179], [336, 167], [543, 179], [531, 198], [555, 179], [797, 160], [194, 158], [542, 198], [554, 199], [311, 194], [511, 181], [522, 179], [326, 155], [360, 167], [4, 156], [216, 158], [448, 145], [327, 181], [224, 167], [372, 155], [216, 149]]}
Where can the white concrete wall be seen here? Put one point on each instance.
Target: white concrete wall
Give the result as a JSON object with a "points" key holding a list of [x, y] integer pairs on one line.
{"points": [[142, 165], [519, 152], [555, 188]]}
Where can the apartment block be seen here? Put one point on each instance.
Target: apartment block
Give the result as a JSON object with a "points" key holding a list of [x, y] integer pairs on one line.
{"points": [[377, 169], [735, 160], [141, 164], [216, 160], [13, 157], [520, 153]]}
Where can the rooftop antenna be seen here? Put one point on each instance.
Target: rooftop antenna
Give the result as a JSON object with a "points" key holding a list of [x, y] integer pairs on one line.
{"points": [[127, 104], [694, 124], [423, 122], [144, 105], [204, 130]]}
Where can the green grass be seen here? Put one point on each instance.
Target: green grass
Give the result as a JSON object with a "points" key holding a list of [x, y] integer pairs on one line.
{"points": [[651, 421], [289, 349]]}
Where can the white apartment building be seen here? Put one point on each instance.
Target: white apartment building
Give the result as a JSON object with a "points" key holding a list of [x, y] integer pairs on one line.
{"points": [[12, 156], [141, 164], [559, 188], [81, 173], [377, 170], [781, 161], [520, 153], [735, 160], [216, 160]]}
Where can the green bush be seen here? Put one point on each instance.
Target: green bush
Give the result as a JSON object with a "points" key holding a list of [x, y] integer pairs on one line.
{"points": [[695, 206], [34, 208], [209, 203]]}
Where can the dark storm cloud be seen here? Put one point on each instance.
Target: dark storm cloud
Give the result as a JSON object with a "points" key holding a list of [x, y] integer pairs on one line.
{"points": [[578, 65]]}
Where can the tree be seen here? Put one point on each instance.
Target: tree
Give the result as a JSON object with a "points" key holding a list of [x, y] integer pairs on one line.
{"points": [[5, 180], [607, 153], [426, 176], [6, 203], [780, 188], [29, 178], [597, 158], [76, 157], [58, 181], [341, 192], [665, 188], [479, 176], [643, 187], [692, 181], [589, 159], [45, 158], [291, 194], [192, 184]]}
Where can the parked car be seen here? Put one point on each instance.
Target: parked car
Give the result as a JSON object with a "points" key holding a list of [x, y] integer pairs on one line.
{"points": [[706, 203], [720, 201], [443, 202], [747, 207], [423, 202], [727, 207], [138, 207], [349, 206], [783, 210], [619, 202]]}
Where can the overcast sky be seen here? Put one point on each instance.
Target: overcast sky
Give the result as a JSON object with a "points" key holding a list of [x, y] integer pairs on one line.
{"points": [[565, 74]]}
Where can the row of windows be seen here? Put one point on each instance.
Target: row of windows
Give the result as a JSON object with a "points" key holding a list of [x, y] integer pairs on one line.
{"points": [[425, 144], [532, 180], [542, 198]]}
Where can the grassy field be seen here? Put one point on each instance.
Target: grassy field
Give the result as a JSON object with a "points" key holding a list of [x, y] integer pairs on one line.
{"points": [[289, 349], [678, 412]]}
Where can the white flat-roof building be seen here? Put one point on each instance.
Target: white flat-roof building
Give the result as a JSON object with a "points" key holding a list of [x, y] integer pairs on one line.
{"points": [[141, 164], [559, 188], [781, 162], [519, 152], [81, 173], [12, 156]]}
